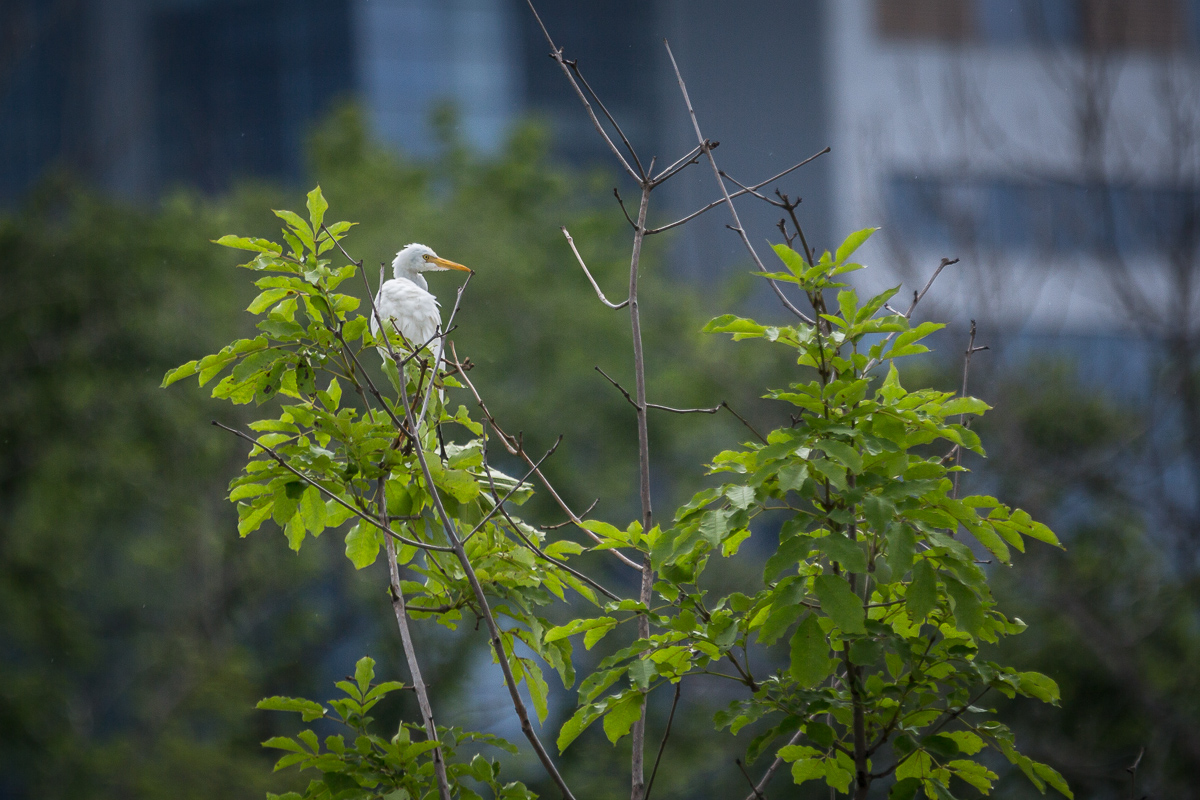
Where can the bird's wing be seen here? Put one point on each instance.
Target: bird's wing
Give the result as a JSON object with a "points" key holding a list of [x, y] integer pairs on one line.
{"points": [[414, 310]]}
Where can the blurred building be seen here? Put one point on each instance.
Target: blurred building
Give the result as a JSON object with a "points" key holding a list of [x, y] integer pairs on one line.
{"points": [[140, 95], [1049, 144]]}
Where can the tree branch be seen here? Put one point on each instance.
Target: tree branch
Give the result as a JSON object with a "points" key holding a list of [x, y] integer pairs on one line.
{"points": [[592, 280], [357, 512]]}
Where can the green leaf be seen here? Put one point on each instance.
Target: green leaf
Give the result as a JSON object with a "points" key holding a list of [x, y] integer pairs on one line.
{"points": [[364, 673], [840, 603], [964, 405], [538, 688], [845, 552], [852, 243], [810, 662], [844, 453], [316, 208], [808, 769], [878, 513], [922, 592], [1035, 684], [246, 243], [865, 651], [577, 724], [905, 790], [902, 546], [312, 510], [848, 304], [307, 709], [298, 225], [940, 746], [362, 545], [179, 373], [739, 327], [577, 625], [968, 611], [620, 718], [791, 259], [1051, 776]]}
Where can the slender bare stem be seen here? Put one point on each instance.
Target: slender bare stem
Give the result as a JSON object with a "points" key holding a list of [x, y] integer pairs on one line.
{"points": [[511, 447], [917, 298], [663, 745], [738, 193], [557, 54], [638, 731], [410, 652], [484, 609], [591, 280], [771, 770], [962, 418]]}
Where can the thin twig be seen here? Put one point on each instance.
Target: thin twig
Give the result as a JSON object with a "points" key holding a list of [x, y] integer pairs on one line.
{"points": [[556, 54], [586, 511], [621, 203], [917, 298], [962, 418], [738, 193], [410, 652], [508, 443], [737, 222], [357, 512], [687, 160], [586, 272], [766, 778], [574, 65], [533, 546], [749, 780], [662, 746], [484, 609], [500, 501]]}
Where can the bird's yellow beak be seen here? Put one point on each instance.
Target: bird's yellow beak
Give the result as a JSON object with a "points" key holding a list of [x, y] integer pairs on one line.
{"points": [[441, 262]]}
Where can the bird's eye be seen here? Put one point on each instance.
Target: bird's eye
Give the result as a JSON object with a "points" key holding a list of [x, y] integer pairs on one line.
{"points": [[425, 256]]}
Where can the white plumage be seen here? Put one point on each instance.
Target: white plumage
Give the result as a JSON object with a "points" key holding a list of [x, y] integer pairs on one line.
{"points": [[406, 298]]}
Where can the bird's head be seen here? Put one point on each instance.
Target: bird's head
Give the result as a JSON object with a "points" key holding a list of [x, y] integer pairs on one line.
{"points": [[417, 258]]}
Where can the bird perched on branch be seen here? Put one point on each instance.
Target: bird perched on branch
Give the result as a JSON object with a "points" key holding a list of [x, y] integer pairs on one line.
{"points": [[406, 298]]}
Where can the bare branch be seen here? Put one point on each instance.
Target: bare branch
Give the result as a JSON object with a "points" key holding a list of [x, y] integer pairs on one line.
{"points": [[757, 792], [484, 609], [917, 297], [738, 193], [514, 450], [410, 652], [592, 280], [556, 54], [531, 544], [962, 418], [662, 746], [586, 511], [621, 203], [574, 65], [687, 160], [500, 501]]}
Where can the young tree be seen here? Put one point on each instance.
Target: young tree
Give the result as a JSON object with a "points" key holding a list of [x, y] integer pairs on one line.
{"points": [[871, 607]]}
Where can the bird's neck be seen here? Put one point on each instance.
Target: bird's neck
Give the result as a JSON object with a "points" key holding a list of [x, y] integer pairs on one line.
{"points": [[412, 275]]}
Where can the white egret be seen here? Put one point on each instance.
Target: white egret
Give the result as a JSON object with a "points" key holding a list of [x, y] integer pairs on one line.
{"points": [[406, 297], [406, 304]]}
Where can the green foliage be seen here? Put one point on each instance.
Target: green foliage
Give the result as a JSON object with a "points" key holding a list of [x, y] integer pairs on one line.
{"points": [[889, 604], [372, 767]]}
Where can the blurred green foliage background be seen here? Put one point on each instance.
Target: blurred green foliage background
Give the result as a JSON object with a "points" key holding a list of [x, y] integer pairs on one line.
{"points": [[138, 631]]}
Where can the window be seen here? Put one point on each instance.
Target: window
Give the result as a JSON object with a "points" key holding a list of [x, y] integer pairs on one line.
{"points": [[1052, 217]]}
